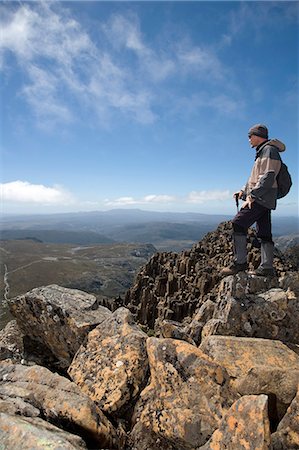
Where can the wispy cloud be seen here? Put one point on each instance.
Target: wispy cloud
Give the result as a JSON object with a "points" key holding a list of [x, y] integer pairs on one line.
{"points": [[198, 197], [25, 192], [70, 74], [206, 196]]}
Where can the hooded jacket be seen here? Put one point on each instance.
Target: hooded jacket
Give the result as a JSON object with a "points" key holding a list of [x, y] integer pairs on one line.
{"points": [[262, 184]]}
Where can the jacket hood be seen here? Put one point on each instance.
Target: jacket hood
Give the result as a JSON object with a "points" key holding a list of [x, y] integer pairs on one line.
{"points": [[278, 144]]}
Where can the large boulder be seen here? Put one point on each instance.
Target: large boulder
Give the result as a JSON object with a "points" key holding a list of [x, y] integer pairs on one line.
{"points": [[112, 366], [28, 433], [58, 318], [245, 426], [273, 314], [257, 366], [38, 392], [287, 434], [187, 396]]}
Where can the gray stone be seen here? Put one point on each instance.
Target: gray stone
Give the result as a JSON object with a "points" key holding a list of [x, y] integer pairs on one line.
{"points": [[58, 318], [28, 433]]}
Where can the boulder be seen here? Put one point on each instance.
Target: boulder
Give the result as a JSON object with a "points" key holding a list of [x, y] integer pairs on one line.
{"points": [[257, 366], [273, 314], [243, 284], [55, 398], [287, 434], [112, 366], [57, 318], [203, 315], [11, 342], [187, 396], [28, 433], [171, 329], [245, 426]]}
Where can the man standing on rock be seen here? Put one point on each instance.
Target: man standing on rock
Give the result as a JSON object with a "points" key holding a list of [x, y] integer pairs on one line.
{"points": [[260, 196]]}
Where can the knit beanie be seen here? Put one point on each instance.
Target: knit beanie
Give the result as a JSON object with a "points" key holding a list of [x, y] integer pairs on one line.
{"points": [[259, 130]]}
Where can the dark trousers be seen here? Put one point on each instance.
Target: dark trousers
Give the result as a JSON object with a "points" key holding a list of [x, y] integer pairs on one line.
{"points": [[256, 214]]}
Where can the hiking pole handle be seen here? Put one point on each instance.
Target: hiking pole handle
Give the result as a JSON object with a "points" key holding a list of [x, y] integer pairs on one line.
{"points": [[236, 195]]}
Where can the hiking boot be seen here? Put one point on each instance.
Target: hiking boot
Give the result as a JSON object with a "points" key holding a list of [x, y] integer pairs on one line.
{"points": [[233, 269], [261, 272]]}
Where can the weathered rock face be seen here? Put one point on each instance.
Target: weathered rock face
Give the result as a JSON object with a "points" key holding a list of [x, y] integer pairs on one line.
{"points": [[257, 366], [173, 286], [287, 435], [35, 433], [236, 432], [187, 396], [38, 392], [273, 314], [112, 366], [58, 318], [11, 342]]}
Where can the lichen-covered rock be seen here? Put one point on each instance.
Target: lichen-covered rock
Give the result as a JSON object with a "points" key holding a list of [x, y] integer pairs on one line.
{"points": [[28, 433], [187, 396], [142, 438], [273, 314], [58, 318], [174, 330], [287, 434], [57, 399], [245, 426], [257, 366], [11, 342], [112, 366]]}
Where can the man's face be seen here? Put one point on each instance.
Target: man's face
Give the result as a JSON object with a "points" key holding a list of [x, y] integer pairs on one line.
{"points": [[255, 140]]}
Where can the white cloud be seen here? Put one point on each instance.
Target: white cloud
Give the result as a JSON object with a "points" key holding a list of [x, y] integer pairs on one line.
{"points": [[147, 199], [24, 192], [193, 197], [70, 74], [206, 196]]}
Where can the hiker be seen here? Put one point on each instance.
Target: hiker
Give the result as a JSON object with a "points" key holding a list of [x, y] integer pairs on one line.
{"points": [[260, 196]]}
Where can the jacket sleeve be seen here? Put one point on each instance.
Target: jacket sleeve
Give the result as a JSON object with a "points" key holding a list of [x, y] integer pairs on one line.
{"points": [[269, 166]]}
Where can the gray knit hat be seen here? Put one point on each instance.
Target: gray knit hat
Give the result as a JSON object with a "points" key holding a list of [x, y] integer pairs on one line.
{"points": [[259, 130]]}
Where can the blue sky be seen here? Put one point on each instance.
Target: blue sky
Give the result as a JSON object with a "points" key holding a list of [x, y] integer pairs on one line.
{"points": [[143, 104]]}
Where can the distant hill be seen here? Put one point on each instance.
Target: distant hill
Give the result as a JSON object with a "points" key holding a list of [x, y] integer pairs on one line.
{"points": [[165, 230], [286, 242], [56, 236]]}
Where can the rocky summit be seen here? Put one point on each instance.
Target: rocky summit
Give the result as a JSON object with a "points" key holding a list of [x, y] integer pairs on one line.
{"points": [[189, 361]]}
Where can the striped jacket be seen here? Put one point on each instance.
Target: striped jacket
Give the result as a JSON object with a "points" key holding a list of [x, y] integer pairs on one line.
{"points": [[262, 184]]}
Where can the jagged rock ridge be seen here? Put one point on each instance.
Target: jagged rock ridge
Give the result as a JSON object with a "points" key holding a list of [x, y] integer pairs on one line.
{"points": [[173, 286]]}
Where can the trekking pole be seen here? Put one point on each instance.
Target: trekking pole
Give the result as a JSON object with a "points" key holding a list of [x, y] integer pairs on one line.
{"points": [[237, 201]]}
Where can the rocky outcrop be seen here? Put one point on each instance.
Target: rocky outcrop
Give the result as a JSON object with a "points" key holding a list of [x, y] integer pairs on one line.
{"points": [[111, 367], [257, 366], [187, 395], [235, 432], [273, 314], [37, 392], [173, 286], [58, 319], [194, 363]]}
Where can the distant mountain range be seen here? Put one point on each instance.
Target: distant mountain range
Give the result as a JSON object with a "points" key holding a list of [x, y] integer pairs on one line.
{"points": [[162, 229]]}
